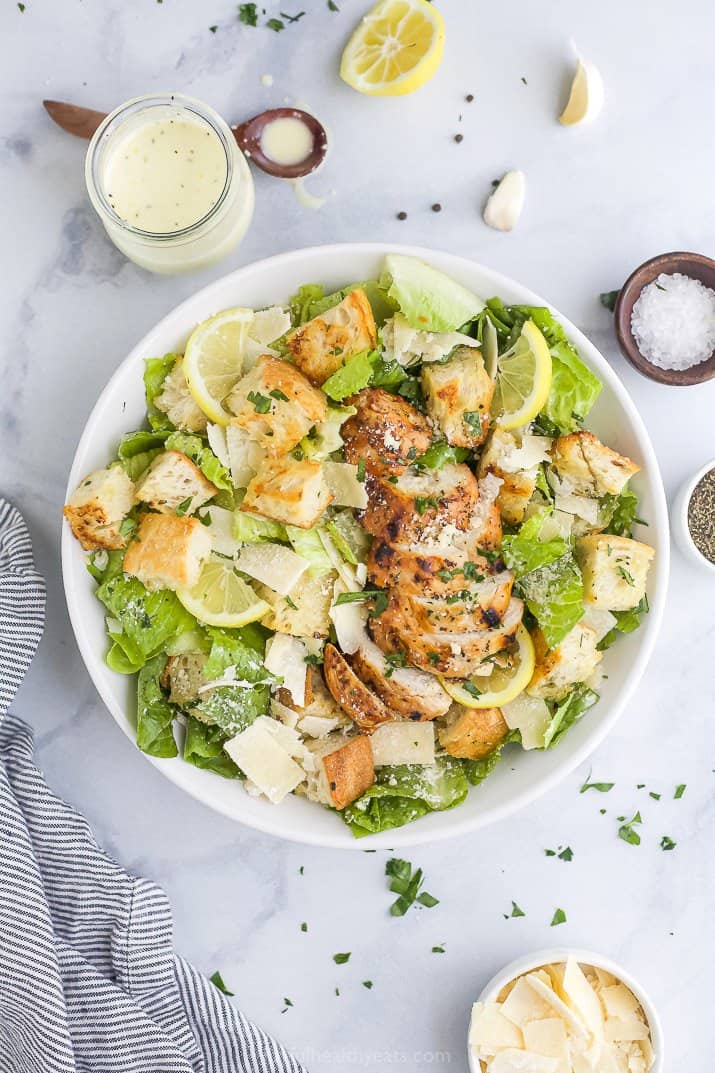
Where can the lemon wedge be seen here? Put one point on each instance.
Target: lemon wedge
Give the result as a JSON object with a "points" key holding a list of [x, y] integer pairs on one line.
{"points": [[503, 684], [523, 379], [586, 97], [213, 360], [395, 49], [221, 597]]}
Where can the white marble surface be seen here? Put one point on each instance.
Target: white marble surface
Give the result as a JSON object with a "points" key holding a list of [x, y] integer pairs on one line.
{"points": [[600, 200]]}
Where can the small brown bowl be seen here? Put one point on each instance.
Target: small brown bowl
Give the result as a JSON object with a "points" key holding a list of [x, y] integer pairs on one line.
{"points": [[695, 265]]}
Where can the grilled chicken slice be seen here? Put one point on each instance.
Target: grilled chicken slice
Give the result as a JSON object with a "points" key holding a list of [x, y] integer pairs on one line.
{"points": [[477, 605], [452, 655], [419, 504], [387, 432], [431, 568], [406, 691], [472, 733], [351, 694]]}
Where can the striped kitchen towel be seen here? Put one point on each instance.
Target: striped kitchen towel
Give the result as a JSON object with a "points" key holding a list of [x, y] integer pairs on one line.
{"points": [[89, 981]]}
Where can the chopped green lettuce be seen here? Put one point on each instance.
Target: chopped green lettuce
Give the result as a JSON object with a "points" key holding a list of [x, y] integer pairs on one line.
{"points": [[440, 454], [203, 747], [477, 770], [405, 792], [307, 544], [568, 712], [429, 299], [242, 649], [619, 513], [138, 450], [148, 620], [626, 622], [202, 456], [235, 707], [252, 529], [156, 371], [554, 595], [310, 301], [349, 537], [351, 377], [325, 437], [523, 551], [155, 715]]}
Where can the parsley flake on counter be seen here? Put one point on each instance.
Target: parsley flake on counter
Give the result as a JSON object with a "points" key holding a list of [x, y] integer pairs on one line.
{"points": [[516, 911], [287, 1002], [213, 29], [337, 991], [559, 917], [566, 854], [21, 8], [301, 870], [654, 795], [332, 6], [248, 14], [341, 959], [608, 299], [217, 980], [406, 883], [679, 791], [627, 832], [276, 24], [667, 843], [367, 984], [304, 926], [602, 787], [438, 949]]}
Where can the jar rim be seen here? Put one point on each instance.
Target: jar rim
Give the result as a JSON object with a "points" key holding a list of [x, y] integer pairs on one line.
{"points": [[113, 123]]}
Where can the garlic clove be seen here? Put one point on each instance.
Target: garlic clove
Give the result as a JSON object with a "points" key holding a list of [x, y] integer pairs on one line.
{"points": [[503, 207], [586, 97]]}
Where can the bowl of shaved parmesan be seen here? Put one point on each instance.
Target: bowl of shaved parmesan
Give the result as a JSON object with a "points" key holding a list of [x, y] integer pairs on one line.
{"points": [[560, 1010], [365, 545]]}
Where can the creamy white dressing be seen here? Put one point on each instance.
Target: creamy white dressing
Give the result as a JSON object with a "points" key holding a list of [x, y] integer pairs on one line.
{"points": [[165, 172], [287, 141]]}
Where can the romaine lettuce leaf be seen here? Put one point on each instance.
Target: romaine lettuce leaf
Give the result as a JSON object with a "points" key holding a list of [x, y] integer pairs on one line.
{"points": [[626, 622], [155, 714], [233, 708], [202, 456], [568, 712], [429, 299], [118, 661], [307, 543], [156, 371], [523, 551], [242, 649], [405, 792], [148, 619], [138, 449], [351, 377], [203, 747], [620, 513], [477, 770], [252, 529], [325, 437], [441, 453], [554, 595], [310, 301], [349, 537]]}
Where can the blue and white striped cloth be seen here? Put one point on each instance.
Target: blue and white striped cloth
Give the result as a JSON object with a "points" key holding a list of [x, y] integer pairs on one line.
{"points": [[89, 981]]}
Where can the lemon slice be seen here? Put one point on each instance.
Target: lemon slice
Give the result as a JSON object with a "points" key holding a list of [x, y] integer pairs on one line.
{"points": [[395, 49], [586, 97], [213, 360], [503, 684], [222, 598], [523, 379]]}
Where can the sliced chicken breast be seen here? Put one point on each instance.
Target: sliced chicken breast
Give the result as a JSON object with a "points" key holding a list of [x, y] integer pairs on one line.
{"points": [[351, 694], [387, 432], [419, 505], [406, 691]]}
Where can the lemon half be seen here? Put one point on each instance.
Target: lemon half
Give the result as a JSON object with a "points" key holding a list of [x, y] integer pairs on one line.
{"points": [[503, 684], [395, 49], [213, 360], [221, 597], [523, 379]]}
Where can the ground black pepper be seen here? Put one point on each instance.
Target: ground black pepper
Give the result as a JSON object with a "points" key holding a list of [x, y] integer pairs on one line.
{"points": [[701, 516]]}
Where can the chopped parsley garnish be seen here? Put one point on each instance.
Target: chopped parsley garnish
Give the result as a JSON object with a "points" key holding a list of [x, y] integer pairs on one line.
{"points": [[213, 29], [667, 843], [472, 572], [361, 469], [394, 660], [291, 605], [602, 787], [276, 393], [380, 598], [182, 507], [627, 577], [261, 403], [627, 832], [275, 24], [438, 949], [304, 926], [433, 657], [313, 659], [287, 1002], [248, 14], [341, 959], [406, 883], [217, 980], [367, 984], [473, 419], [679, 791], [566, 854], [516, 911], [425, 503], [469, 687], [559, 917], [332, 6]]}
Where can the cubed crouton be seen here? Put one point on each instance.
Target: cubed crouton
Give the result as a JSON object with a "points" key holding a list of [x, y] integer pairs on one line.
{"points": [[472, 733], [517, 487], [276, 405], [304, 612], [588, 467], [168, 552], [182, 676], [559, 669], [289, 491], [458, 394], [615, 570], [348, 771], [171, 481], [98, 506], [176, 401], [322, 345]]}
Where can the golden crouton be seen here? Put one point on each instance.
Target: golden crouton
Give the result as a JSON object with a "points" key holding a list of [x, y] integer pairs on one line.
{"points": [[353, 696], [517, 488], [98, 506], [168, 552], [615, 570], [306, 615], [322, 345], [349, 771], [289, 491], [472, 733], [177, 402], [559, 669], [458, 396], [172, 480], [182, 676], [589, 467], [276, 405]]}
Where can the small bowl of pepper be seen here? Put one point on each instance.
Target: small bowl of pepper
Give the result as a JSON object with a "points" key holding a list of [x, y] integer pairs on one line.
{"points": [[693, 517], [664, 318]]}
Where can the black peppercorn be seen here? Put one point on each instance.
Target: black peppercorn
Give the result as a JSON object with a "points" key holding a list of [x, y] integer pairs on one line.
{"points": [[402, 216], [436, 207]]}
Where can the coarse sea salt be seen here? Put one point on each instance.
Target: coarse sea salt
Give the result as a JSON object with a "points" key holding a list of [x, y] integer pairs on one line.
{"points": [[673, 321]]}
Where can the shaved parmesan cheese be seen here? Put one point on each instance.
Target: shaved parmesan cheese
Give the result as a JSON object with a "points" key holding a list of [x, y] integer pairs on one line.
{"points": [[217, 442], [287, 715], [627, 1029], [582, 506], [269, 324], [582, 999], [221, 530], [490, 1031], [515, 458], [514, 1061], [318, 726], [523, 1004], [619, 1001], [530, 716], [407, 345], [572, 1021], [556, 524], [547, 1037], [347, 491], [263, 759], [349, 621], [403, 743], [245, 456], [272, 564], [285, 657]]}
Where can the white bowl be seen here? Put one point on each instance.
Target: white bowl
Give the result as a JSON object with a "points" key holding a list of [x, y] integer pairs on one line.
{"points": [[679, 520], [557, 954], [525, 776]]}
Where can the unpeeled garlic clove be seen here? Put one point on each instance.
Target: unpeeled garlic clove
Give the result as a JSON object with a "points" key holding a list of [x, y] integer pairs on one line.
{"points": [[504, 205]]}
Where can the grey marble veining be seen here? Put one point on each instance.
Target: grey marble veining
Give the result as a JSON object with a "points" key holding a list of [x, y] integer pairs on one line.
{"points": [[599, 201]]}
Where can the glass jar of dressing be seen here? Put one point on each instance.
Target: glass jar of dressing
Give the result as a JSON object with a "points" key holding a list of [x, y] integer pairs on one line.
{"points": [[169, 183]]}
